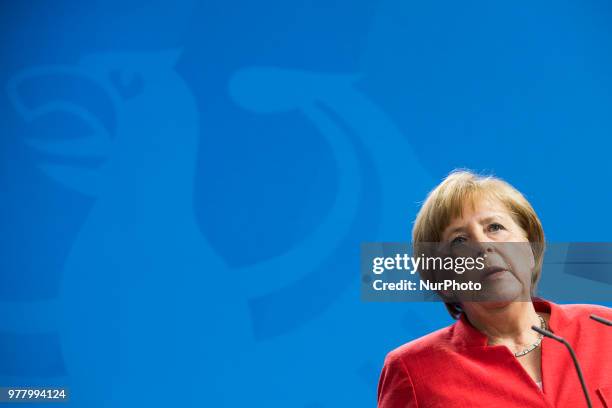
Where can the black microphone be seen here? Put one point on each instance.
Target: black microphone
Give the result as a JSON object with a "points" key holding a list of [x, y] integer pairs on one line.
{"points": [[553, 336], [601, 320]]}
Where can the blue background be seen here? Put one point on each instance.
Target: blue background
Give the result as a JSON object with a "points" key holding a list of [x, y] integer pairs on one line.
{"points": [[185, 184]]}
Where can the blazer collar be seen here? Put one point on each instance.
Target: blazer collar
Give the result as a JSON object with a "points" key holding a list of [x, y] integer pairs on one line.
{"points": [[467, 335]]}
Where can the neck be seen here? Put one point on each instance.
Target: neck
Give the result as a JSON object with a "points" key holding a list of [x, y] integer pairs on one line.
{"points": [[503, 324]]}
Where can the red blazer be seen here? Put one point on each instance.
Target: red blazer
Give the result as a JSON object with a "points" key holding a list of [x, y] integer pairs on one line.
{"points": [[454, 367]]}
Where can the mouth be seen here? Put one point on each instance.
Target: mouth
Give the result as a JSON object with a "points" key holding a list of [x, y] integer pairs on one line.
{"points": [[493, 272]]}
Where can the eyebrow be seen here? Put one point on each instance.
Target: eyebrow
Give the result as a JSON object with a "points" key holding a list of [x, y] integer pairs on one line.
{"points": [[485, 220]]}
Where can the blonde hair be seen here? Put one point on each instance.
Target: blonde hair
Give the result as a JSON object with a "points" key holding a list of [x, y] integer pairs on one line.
{"points": [[447, 200]]}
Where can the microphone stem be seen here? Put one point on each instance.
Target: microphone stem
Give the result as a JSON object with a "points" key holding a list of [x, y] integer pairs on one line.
{"points": [[579, 371], [560, 339]]}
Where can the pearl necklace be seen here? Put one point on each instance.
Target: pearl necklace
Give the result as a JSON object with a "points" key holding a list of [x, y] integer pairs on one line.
{"points": [[537, 342]]}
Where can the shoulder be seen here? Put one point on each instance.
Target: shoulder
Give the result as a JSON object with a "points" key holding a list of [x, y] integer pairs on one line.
{"points": [[578, 315], [424, 346], [408, 369], [574, 311], [573, 320], [396, 386]]}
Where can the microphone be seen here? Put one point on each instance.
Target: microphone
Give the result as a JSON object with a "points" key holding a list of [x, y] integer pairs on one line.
{"points": [[601, 320], [553, 336]]}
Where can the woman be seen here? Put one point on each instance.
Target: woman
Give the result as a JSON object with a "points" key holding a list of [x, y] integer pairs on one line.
{"points": [[491, 357]]}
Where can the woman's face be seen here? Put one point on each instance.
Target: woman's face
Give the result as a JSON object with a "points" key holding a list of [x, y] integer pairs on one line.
{"points": [[488, 229]]}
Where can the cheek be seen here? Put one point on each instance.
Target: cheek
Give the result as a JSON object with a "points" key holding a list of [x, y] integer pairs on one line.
{"points": [[531, 258], [520, 257], [518, 234]]}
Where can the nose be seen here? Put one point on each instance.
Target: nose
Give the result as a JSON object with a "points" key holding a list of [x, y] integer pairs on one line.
{"points": [[482, 243], [483, 248]]}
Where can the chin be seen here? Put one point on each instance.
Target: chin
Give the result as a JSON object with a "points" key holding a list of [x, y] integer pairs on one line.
{"points": [[500, 295], [495, 304]]}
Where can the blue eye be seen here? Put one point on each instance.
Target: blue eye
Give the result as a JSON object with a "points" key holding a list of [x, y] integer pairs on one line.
{"points": [[458, 240], [496, 227]]}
